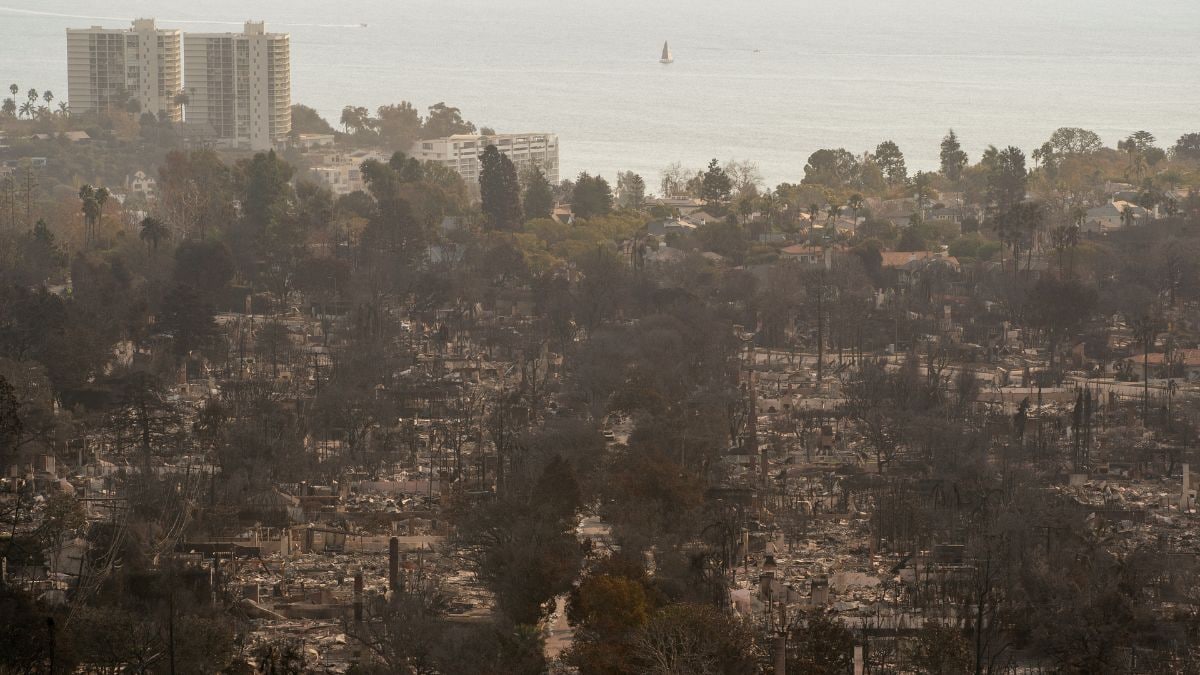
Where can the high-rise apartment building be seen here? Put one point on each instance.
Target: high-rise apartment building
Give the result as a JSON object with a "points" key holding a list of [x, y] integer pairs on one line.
{"points": [[239, 86], [110, 67], [461, 153]]}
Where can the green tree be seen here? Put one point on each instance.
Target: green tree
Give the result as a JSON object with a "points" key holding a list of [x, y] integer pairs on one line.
{"points": [[606, 611], [855, 203], [1059, 308], [11, 425], [557, 490], [591, 196], [1187, 147], [204, 265], [1006, 177], [523, 555], [1064, 238], [37, 258], [832, 168], [539, 196], [716, 185], [632, 188], [1074, 141], [356, 119], [92, 204], [912, 239], [399, 125], [923, 189], [153, 232], [188, 318], [443, 121], [954, 160], [305, 120], [891, 162], [499, 190], [267, 195]]}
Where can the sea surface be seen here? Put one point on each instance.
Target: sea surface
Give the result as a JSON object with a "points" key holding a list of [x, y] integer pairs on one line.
{"points": [[764, 80]]}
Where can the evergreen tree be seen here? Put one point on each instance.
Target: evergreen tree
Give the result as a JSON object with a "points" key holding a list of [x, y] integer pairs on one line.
{"points": [[716, 186], [632, 188], [188, 318], [499, 190], [891, 162], [592, 196], [954, 160], [539, 196]]}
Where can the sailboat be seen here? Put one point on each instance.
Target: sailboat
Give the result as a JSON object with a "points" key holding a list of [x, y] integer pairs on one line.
{"points": [[666, 56]]}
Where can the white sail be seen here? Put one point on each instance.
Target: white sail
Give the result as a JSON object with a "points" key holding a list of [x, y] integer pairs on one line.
{"points": [[666, 54]]}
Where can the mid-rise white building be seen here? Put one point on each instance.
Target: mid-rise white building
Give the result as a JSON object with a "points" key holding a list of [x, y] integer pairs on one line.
{"points": [[239, 86], [341, 172], [108, 67], [461, 153]]}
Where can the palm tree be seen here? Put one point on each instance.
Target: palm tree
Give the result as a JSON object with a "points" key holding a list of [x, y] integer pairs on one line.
{"points": [[1137, 161], [14, 89], [64, 109], [93, 200], [814, 210], [769, 205], [33, 95], [355, 119], [153, 232], [1127, 218], [855, 203], [27, 109], [1064, 237], [47, 96], [835, 210], [1032, 217], [1145, 326]]}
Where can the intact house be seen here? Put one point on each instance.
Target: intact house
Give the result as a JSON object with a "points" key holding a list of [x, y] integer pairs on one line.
{"points": [[1109, 217], [809, 256], [141, 184], [909, 267], [699, 218], [663, 226], [1185, 363]]}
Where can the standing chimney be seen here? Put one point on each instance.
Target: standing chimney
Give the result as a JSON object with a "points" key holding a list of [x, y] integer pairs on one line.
{"points": [[358, 596], [1185, 500], [393, 564]]}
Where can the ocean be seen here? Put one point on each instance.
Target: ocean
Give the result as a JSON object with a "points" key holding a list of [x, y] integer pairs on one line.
{"points": [[763, 80]]}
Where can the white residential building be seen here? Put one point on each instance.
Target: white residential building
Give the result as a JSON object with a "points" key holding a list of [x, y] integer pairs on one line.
{"points": [[143, 184], [341, 172], [461, 153], [106, 67], [239, 86]]}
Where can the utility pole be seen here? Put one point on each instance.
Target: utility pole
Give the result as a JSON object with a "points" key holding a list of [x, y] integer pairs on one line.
{"points": [[30, 184], [820, 328], [171, 626]]}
